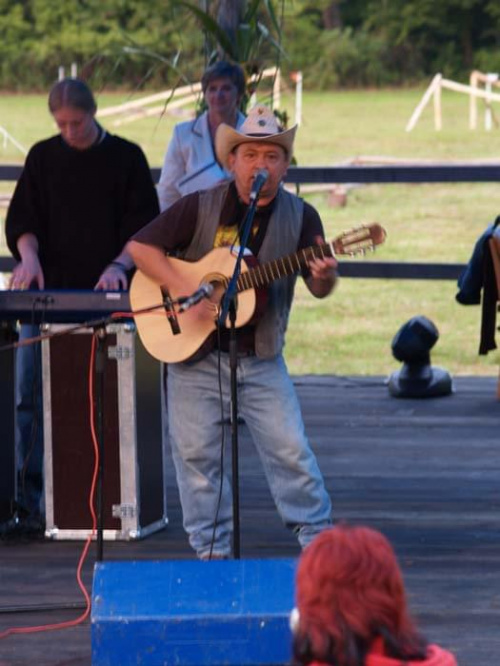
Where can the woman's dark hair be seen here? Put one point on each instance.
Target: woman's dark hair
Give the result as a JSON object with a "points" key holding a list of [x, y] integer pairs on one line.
{"points": [[73, 93], [349, 593], [223, 70]]}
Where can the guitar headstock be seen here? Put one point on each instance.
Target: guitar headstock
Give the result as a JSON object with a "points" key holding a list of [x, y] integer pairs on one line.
{"points": [[360, 239]]}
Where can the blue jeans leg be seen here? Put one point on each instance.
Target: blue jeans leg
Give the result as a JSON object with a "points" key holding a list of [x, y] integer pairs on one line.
{"points": [[29, 423], [194, 413], [269, 405]]}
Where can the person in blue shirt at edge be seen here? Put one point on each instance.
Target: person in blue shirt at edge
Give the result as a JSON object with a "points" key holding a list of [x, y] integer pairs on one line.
{"points": [[81, 195], [191, 228]]}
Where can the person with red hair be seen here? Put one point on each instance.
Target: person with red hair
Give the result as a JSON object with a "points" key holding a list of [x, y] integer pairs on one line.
{"points": [[351, 605]]}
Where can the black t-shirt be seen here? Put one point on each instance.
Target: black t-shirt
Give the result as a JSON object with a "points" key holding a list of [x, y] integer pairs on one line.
{"points": [[173, 231]]}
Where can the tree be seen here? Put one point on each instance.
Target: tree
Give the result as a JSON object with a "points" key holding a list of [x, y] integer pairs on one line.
{"points": [[444, 33], [334, 42], [235, 30], [230, 15]]}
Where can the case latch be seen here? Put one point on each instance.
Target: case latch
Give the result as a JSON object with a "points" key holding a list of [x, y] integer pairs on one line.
{"points": [[119, 353], [124, 511]]}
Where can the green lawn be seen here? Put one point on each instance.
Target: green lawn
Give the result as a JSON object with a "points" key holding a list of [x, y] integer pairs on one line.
{"points": [[351, 332], [335, 126]]}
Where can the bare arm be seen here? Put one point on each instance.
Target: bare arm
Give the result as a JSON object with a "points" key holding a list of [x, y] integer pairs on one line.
{"points": [[150, 260], [29, 271], [114, 276], [323, 277]]}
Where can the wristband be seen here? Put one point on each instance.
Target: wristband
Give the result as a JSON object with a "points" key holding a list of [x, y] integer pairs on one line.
{"points": [[119, 264]]}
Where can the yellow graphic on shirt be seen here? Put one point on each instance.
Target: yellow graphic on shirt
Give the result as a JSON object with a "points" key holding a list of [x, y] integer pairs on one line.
{"points": [[228, 235]]}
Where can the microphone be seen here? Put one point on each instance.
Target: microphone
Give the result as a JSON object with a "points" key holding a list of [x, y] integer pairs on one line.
{"points": [[204, 291], [258, 181]]}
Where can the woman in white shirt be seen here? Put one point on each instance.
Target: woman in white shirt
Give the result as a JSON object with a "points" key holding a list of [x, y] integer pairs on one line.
{"points": [[190, 162]]}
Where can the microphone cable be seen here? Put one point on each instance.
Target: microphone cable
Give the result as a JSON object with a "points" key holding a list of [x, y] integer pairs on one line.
{"points": [[87, 606]]}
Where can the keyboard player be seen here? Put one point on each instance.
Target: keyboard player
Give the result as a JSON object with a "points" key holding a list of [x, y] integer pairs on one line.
{"points": [[81, 195]]}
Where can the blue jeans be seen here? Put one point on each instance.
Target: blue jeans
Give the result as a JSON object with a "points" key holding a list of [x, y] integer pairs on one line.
{"points": [[29, 423], [268, 403]]}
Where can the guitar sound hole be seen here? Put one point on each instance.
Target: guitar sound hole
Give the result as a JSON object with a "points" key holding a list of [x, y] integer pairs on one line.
{"points": [[218, 293]]}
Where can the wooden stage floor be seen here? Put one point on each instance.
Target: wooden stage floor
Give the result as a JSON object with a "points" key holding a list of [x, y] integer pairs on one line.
{"points": [[425, 472]]}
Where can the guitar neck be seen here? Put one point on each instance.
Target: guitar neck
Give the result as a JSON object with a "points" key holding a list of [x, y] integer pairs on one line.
{"points": [[263, 274]]}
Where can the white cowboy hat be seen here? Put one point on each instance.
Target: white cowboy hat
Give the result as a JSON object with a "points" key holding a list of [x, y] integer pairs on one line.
{"points": [[260, 126]]}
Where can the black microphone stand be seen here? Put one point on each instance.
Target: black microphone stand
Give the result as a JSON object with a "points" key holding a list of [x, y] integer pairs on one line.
{"points": [[228, 305]]}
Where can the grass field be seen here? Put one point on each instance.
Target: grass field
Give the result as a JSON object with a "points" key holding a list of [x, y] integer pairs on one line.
{"points": [[351, 332]]}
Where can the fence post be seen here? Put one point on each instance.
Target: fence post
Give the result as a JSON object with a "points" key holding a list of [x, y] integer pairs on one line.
{"points": [[438, 124], [488, 113], [298, 98], [435, 83], [473, 81], [276, 89]]}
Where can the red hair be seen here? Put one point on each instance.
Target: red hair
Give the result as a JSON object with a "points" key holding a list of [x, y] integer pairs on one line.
{"points": [[350, 591]]}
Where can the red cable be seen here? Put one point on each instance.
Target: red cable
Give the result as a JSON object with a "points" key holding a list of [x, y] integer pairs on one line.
{"points": [[154, 309], [81, 618]]}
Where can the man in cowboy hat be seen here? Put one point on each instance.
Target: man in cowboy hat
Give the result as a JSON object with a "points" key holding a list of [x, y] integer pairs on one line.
{"points": [[283, 224]]}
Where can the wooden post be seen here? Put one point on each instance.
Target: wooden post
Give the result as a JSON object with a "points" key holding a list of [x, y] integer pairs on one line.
{"points": [[276, 89], [438, 120], [473, 81], [154, 110], [143, 101], [8, 137], [298, 98], [488, 114], [436, 82], [461, 87]]}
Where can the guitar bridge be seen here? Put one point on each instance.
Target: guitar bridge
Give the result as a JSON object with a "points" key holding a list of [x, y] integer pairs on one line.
{"points": [[170, 312]]}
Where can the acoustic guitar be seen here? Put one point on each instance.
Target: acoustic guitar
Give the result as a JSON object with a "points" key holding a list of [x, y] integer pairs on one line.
{"points": [[173, 335]]}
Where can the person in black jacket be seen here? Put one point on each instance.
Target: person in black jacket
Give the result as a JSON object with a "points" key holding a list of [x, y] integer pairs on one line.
{"points": [[81, 195]]}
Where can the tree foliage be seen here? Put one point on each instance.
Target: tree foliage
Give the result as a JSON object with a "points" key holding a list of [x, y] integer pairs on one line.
{"points": [[393, 41], [160, 42], [237, 31]]}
